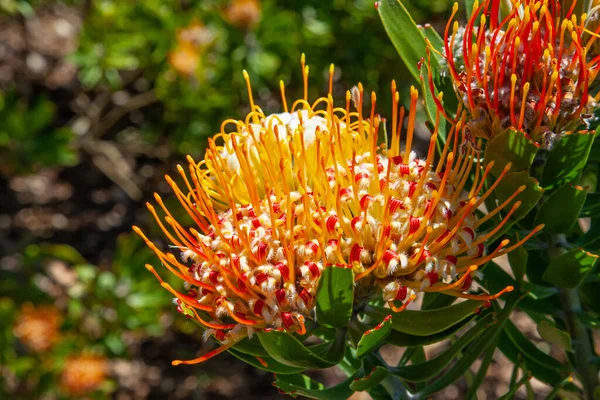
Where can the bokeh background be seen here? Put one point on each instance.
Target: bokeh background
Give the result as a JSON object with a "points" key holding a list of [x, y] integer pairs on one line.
{"points": [[98, 100]]}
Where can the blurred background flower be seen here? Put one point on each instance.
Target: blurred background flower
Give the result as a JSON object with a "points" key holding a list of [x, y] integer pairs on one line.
{"points": [[83, 374], [37, 327]]}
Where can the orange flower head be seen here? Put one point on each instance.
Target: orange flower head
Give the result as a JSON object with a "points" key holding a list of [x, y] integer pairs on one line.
{"points": [[279, 198], [38, 326], [528, 71], [244, 14], [83, 374], [192, 42]]}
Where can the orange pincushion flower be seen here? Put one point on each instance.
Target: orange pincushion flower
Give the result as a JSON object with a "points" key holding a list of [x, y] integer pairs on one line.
{"points": [[528, 71], [192, 41], [38, 326], [244, 14], [83, 374], [280, 198]]}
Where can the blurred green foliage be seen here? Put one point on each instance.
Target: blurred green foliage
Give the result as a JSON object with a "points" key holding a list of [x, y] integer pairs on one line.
{"points": [[27, 137], [126, 36]]}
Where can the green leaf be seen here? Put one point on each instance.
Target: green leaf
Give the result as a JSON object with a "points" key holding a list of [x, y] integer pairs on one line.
{"points": [[252, 347], [590, 320], [288, 350], [590, 295], [591, 239], [473, 352], [305, 386], [529, 350], [61, 252], [481, 374], [528, 198], [426, 322], [548, 331], [86, 272], [369, 381], [510, 146], [561, 209], [350, 365], [434, 38], [567, 159], [335, 296], [518, 263], [589, 176], [569, 269], [374, 337], [404, 34], [468, 8], [591, 207], [537, 262], [268, 364], [432, 300], [428, 369], [405, 340], [511, 393], [410, 44], [379, 393], [595, 152], [496, 279], [506, 346]]}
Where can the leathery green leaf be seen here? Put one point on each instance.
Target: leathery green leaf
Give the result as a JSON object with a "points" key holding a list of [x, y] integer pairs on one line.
{"points": [[350, 364], [537, 262], [481, 374], [567, 159], [426, 322], [542, 373], [405, 340], [429, 369], [529, 350], [591, 207], [434, 38], [252, 347], [589, 294], [367, 382], [302, 385], [528, 198], [266, 363], [548, 331], [288, 350], [410, 44], [561, 209], [591, 239], [569, 269], [512, 147], [335, 296], [496, 279], [432, 300], [404, 34], [374, 337], [518, 263], [468, 7], [589, 176], [488, 338]]}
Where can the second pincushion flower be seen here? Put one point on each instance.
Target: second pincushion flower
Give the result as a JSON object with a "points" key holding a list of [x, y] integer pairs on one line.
{"points": [[528, 70]]}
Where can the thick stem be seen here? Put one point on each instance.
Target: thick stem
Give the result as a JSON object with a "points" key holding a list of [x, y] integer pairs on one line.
{"points": [[582, 343], [580, 335]]}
